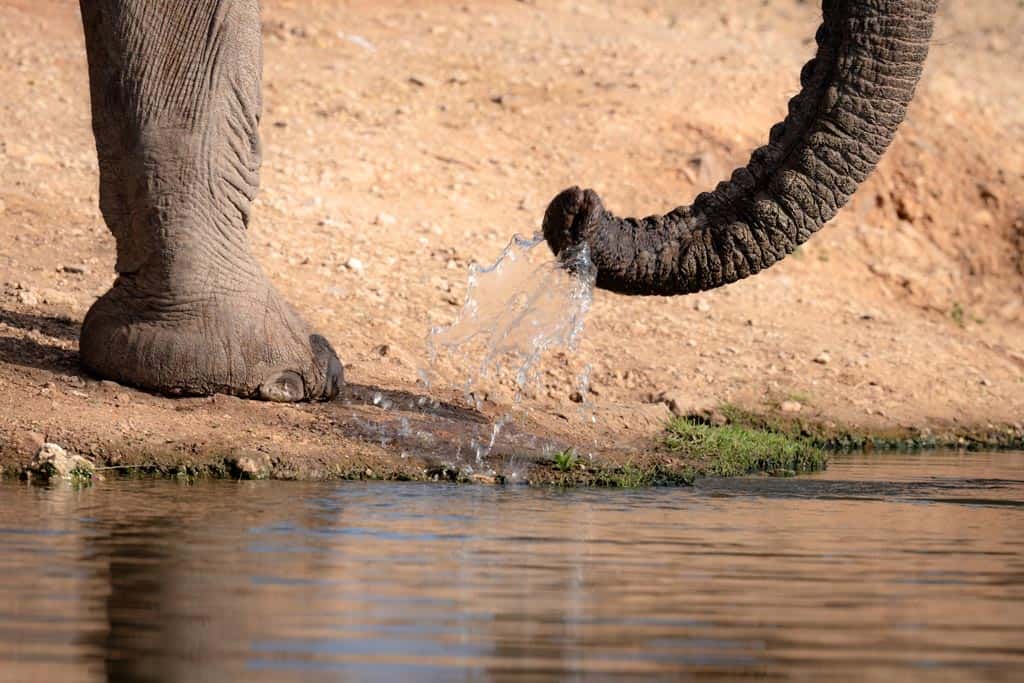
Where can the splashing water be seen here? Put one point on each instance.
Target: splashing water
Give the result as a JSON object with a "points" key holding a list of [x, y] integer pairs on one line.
{"points": [[516, 310]]}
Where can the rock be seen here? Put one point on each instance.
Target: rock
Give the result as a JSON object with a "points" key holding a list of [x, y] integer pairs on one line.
{"points": [[355, 265], [359, 40], [52, 461], [702, 306], [248, 468], [250, 465], [823, 358], [72, 380], [28, 297], [58, 298], [908, 208], [791, 407], [385, 219], [74, 269], [983, 218]]}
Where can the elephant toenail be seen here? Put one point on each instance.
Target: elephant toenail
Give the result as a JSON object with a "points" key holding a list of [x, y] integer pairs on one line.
{"points": [[283, 387]]}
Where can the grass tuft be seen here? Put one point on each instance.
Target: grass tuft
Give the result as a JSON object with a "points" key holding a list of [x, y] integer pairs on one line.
{"points": [[732, 450], [565, 460]]}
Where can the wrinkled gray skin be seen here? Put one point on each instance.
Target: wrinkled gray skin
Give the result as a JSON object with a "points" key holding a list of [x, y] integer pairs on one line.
{"points": [[854, 95], [175, 88]]}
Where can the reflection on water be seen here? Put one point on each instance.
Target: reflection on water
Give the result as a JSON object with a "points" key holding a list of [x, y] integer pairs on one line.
{"points": [[884, 567]]}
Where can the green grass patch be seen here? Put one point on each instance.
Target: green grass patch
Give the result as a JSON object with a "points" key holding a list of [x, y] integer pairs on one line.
{"points": [[733, 450], [564, 460], [630, 475], [842, 438]]}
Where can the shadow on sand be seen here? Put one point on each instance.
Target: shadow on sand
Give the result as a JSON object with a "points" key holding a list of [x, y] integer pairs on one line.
{"points": [[31, 350]]}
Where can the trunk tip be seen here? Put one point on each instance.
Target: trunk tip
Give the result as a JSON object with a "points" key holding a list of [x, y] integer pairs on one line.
{"points": [[571, 218]]}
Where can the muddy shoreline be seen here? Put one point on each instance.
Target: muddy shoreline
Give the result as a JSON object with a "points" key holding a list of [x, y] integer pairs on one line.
{"points": [[346, 447]]}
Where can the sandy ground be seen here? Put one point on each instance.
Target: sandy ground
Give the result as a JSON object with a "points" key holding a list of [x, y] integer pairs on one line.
{"points": [[416, 137]]}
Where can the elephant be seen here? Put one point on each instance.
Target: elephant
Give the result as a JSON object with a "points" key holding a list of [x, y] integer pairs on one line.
{"points": [[175, 91]]}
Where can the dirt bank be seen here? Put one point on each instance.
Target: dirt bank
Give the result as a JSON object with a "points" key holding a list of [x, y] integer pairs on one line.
{"points": [[405, 140]]}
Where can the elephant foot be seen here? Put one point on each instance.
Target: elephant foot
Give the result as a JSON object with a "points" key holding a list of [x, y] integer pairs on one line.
{"points": [[248, 343]]}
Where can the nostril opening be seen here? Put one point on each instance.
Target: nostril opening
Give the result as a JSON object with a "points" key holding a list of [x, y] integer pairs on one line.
{"points": [[568, 219]]}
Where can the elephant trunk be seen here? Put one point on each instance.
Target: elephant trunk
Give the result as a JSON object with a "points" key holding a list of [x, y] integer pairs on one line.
{"points": [[854, 94]]}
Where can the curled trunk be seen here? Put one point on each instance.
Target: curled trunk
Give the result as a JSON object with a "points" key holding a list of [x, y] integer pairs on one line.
{"points": [[854, 94]]}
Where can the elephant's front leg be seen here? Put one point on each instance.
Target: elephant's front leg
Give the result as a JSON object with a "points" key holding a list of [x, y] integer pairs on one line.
{"points": [[175, 90]]}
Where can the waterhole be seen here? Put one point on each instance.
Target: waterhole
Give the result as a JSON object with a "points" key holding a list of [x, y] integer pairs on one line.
{"points": [[887, 567]]}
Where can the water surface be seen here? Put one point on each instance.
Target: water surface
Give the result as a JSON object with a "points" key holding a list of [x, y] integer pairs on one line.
{"points": [[886, 567]]}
